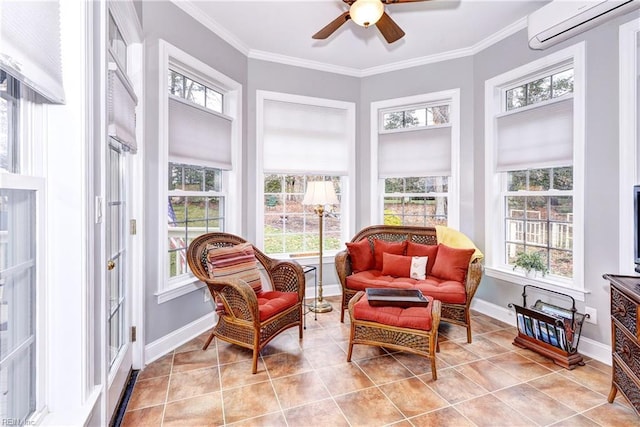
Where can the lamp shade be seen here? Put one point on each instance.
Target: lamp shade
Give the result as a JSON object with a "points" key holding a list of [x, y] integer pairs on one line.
{"points": [[366, 12], [320, 193]]}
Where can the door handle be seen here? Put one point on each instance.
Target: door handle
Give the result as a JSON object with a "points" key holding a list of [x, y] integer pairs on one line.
{"points": [[111, 265]]}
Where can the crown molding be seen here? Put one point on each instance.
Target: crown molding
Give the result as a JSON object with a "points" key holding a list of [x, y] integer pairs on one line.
{"points": [[191, 8], [305, 63]]}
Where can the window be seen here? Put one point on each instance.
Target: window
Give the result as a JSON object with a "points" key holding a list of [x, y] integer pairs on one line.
{"points": [[200, 132], [534, 153], [289, 226], [415, 160], [303, 139], [416, 117], [196, 206], [540, 89], [419, 201], [539, 216], [186, 88], [20, 211]]}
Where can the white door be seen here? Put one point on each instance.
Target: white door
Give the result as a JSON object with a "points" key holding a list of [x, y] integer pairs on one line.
{"points": [[118, 293]]}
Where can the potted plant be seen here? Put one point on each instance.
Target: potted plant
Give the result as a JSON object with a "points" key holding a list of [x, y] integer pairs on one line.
{"points": [[530, 261]]}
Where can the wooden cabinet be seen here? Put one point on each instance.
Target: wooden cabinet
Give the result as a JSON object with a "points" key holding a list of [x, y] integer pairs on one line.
{"points": [[625, 338]]}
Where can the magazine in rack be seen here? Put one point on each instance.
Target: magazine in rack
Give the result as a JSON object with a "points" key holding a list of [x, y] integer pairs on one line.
{"points": [[549, 329]]}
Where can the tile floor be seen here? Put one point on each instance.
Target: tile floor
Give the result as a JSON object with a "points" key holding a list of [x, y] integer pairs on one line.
{"points": [[305, 383]]}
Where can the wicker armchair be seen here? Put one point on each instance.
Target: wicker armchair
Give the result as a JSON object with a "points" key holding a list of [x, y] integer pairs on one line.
{"points": [[237, 304]]}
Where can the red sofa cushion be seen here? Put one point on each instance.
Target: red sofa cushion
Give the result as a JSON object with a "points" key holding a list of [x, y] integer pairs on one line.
{"points": [[404, 266], [271, 303], [448, 291], [431, 251], [452, 263], [360, 255], [411, 317], [382, 246]]}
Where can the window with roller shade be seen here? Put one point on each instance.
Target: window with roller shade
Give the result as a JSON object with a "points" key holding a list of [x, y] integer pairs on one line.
{"points": [[534, 190], [30, 78], [199, 154], [303, 139], [416, 148]]}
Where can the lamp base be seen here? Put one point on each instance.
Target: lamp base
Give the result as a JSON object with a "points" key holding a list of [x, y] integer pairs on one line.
{"points": [[320, 307]]}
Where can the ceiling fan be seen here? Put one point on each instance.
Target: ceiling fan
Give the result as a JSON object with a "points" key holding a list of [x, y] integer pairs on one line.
{"points": [[366, 13]]}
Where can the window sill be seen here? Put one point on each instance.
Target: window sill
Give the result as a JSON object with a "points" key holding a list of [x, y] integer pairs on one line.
{"points": [[177, 288], [517, 278]]}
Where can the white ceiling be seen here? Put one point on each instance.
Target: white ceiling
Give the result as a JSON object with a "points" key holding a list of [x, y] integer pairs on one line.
{"points": [[435, 30]]}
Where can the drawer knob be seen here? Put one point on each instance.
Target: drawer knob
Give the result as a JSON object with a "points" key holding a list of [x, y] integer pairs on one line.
{"points": [[620, 309], [626, 350]]}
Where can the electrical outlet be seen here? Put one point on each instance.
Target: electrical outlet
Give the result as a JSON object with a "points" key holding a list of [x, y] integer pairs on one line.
{"points": [[593, 315], [207, 296]]}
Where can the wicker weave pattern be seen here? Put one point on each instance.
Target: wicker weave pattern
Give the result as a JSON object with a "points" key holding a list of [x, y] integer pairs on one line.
{"points": [[457, 314], [423, 343], [239, 323], [366, 334]]}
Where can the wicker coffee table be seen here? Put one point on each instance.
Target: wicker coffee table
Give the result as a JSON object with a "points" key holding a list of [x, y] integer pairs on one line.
{"points": [[411, 329]]}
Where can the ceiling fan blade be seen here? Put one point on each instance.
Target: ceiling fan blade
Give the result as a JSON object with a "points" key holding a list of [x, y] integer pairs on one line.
{"points": [[389, 29], [332, 26]]}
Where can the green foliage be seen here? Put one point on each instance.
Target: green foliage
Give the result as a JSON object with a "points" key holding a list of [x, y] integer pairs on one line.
{"points": [[530, 261], [390, 218]]}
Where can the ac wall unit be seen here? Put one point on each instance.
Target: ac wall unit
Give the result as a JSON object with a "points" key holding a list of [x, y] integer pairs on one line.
{"points": [[561, 19]]}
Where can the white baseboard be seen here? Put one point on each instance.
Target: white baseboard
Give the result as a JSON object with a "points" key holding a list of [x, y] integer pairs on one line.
{"points": [[175, 339], [588, 347]]}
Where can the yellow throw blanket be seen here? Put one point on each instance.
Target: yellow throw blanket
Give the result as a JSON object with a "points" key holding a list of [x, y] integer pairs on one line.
{"points": [[456, 239]]}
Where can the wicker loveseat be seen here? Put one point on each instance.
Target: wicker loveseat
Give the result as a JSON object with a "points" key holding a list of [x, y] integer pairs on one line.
{"points": [[455, 295]]}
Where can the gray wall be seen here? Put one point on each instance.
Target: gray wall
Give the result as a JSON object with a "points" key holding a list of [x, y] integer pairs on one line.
{"points": [[445, 75], [601, 161], [164, 20]]}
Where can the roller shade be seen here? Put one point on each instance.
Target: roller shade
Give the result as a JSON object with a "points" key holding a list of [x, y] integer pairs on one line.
{"points": [[302, 138], [121, 109], [421, 152], [30, 45], [198, 135], [539, 137]]}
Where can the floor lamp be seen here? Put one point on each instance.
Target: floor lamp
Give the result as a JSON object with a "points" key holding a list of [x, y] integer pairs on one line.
{"points": [[319, 194]]}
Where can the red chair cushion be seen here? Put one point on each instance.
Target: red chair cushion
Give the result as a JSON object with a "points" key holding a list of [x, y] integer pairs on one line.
{"points": [[410, 318], [448, 291], [271, 303], [452, 263], [360, 255], [382, 246], [431, 251]]}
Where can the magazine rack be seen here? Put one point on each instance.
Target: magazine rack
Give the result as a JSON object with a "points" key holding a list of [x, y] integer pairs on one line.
{"points": [[550, 330]]}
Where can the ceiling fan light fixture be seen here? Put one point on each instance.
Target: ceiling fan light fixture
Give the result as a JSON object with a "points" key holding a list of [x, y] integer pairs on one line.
{"points": [[366, 12]]}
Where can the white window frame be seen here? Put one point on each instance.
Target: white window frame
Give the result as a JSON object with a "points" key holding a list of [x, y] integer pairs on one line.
{"points": [[451, 97], [495, 88], [172, 57], [629, 148], [347, 183], [31, 145]]}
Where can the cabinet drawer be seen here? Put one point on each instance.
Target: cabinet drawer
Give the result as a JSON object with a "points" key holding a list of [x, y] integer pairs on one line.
{"points": [[627, 349], [624, 311], [627, 386]]}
